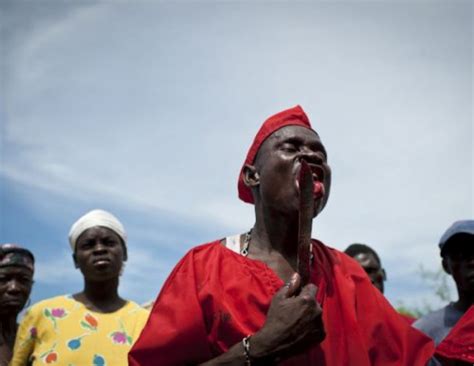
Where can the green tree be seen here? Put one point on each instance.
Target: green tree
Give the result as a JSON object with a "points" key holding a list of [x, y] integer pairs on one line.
{"points": [[438, 281]]}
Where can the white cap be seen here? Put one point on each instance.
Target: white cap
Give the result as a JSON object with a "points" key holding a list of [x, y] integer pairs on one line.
{"points": [[96, 218]]}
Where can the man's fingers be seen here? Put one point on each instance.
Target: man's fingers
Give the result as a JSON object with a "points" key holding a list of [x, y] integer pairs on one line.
{"points": [[282, 293], [293, 285], [290, 288], [309, 292]]}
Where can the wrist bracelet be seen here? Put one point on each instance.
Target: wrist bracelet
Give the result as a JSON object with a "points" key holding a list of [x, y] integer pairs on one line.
{"points": [[246, 344]]}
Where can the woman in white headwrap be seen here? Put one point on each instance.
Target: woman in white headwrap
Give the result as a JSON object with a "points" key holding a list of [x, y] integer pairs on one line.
{"points": [[92, 327]]}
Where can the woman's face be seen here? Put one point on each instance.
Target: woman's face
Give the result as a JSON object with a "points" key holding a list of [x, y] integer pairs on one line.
{"points": [[15, 289], [99, 254]]}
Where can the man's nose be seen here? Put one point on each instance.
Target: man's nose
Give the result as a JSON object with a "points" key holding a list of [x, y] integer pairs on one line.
{"points": [[14, 287], [310, 155]]}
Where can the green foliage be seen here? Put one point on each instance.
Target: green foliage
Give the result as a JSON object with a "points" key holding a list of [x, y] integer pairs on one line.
{"points": [[403, 309], [438, 281]]}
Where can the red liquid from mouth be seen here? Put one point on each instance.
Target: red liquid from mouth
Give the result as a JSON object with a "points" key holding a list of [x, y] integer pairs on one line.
{"points": [[318, 189]]}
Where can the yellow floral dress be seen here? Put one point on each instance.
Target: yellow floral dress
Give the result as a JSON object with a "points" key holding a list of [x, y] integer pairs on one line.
{"points": [[62, 331]]}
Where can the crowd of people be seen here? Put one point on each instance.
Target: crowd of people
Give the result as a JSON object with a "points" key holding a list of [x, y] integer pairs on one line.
{"points": [[240, 300]]}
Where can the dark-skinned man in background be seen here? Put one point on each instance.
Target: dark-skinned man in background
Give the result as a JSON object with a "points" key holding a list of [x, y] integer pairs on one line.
{"points": [[457, 253], [238, 300], [370, 261]]}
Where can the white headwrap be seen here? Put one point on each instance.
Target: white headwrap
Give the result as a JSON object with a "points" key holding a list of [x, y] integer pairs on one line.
{"points": [[96, 218]]}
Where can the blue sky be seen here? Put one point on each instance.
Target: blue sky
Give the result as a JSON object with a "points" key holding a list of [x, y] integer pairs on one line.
{"points": [[147, 109]]}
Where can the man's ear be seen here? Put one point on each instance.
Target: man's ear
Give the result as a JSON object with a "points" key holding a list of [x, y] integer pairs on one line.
{"points": [[384, 274], [446, 266], [250, 176], [75, 260]]}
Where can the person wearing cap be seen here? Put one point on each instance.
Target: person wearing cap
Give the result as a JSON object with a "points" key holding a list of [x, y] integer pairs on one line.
{"points": [[92, 327], [16, 280], [457, 253], [370, 261], [238, 300]]}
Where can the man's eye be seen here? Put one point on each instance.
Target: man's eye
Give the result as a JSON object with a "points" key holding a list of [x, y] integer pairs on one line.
{"points": [[288, 147], [27, 282]]}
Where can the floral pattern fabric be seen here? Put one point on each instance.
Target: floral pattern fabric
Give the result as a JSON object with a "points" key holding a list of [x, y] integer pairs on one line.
{"points": [[62, 331]]}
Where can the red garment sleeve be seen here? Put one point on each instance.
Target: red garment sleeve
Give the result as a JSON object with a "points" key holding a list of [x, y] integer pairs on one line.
{"points": [[390, 340], [409, 319], [175, 333], [459, 343]]}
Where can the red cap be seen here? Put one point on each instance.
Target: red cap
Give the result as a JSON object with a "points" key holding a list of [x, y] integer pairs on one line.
{"points": [[289, 117]]}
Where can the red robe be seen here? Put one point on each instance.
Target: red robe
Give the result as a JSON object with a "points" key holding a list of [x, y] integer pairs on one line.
{"points": [[215, 297], [409, 319], [459, 343]]}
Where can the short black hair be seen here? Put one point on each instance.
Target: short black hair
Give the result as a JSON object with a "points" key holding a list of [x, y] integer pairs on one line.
{"points": [[357, 248]]}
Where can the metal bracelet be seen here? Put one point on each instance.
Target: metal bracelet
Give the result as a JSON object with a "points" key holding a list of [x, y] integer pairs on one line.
{"points": [[246, 344]]}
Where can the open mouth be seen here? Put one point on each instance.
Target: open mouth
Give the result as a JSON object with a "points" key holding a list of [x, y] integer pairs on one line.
{"points": [[318, 181]]}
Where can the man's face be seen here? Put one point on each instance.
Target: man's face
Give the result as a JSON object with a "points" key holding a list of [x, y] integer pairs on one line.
{"points": [[15, 288], [373, 269], [278, 163], [459, 261]]}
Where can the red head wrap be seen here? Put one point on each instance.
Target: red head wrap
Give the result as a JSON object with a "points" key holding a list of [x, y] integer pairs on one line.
{"points": [[290, 117]]}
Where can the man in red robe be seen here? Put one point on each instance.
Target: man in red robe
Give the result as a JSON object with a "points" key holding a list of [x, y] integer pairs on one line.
{"points": [[238, 300]]}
